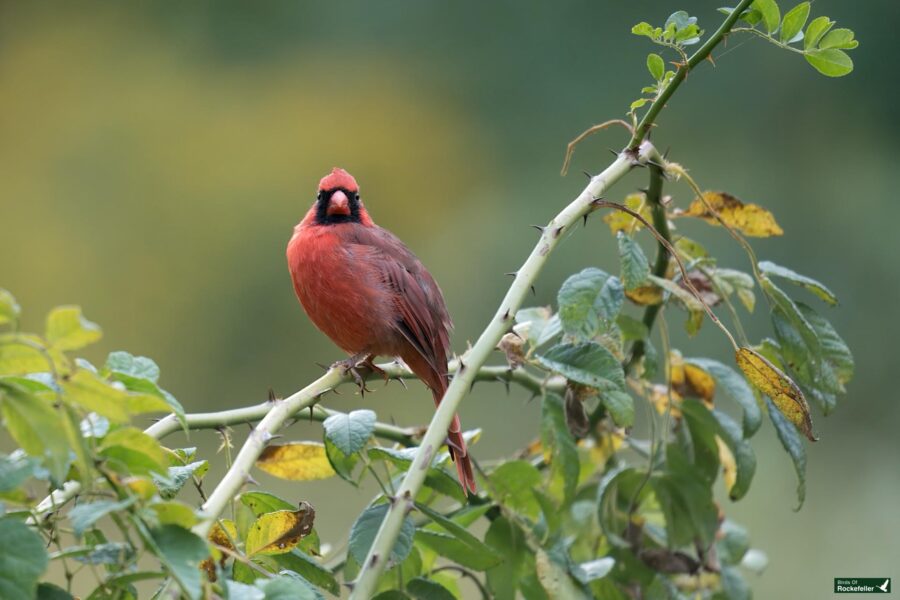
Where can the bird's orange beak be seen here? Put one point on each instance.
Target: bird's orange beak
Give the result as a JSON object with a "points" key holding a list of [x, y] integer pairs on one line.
{"points": [[339, 204]]}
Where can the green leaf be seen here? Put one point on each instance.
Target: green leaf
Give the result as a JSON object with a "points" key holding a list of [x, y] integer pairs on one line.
{"points": [[140, 374], [794, 21], [733, 544], [744, 457], [131, 451], [656, 66], [686, 501], [177, 476], [437, 478], [85, 515], [342, 464], [793, 444], [48, 591], [460, 545], [42, 431], [512, 483], [620, 407], [555, 578], [643, 28], [289, 586], [508, 539], [309, 568], [771, 15], [589, 364], [426, 589], [140, 367], [362, 534], [9, 308], [67, 329], [587, 300], [809, 283], [181, 552], [736, 388], [84, 388], [831, 62], [834, 350], [16, 469], [261, 503], [559, 447], [838, 38], [734, 586], [22, 559], [817, 28], [351, 431], [22, 354], [635, 268]]}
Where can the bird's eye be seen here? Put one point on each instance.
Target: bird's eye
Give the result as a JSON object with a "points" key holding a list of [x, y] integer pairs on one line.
{"points": [[319, 195]]}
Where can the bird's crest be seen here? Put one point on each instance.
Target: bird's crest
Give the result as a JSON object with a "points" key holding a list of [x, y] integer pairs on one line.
{"points": [[338, 178]]}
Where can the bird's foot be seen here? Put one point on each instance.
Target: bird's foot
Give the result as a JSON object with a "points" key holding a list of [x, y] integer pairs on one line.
{"points": [[369, 364], [350, 366]]}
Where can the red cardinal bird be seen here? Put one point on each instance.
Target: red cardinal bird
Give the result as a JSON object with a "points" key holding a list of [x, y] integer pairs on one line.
{"points": [[363, 288]]}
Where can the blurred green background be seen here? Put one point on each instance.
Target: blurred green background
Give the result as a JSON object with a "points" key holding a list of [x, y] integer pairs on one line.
{"points": [[154, 158]]}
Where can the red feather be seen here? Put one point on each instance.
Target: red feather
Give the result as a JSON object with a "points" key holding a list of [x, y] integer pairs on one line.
{"points": [[363, 288]]}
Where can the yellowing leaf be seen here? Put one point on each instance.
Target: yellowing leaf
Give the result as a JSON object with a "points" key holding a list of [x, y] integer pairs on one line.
{"points": [[645, 295], [776, 385], [619, 220], [659, 397], [21, 354], [750, 219], [142, 487], [729, 465], [224, 533], [67, 329], [280, 531], [298, 461]]}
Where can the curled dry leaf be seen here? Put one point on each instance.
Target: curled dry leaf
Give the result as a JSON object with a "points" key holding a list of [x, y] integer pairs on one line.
{"points": [[280, 531], [776, 385], [513, 346], [750, 219], [223, 534], [690, 381], [297, 461]]}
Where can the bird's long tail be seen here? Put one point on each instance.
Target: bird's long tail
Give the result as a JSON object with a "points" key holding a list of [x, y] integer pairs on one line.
{"points": [[458, 451], [438, 382]]}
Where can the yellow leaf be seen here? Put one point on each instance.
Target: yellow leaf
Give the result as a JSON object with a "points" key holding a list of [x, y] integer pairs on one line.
{"points": [[175, 513], [776, 385], [659, 397], [729, 466], [619, 220], [645, 295], [141, 486], [699, 383], [298, 461], [280, 531], [750, 219]]}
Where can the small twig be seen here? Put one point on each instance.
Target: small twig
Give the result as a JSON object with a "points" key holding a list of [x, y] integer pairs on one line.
{"points": [[570, 148]]}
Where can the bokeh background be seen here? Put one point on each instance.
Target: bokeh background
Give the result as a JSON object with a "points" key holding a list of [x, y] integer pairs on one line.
{"points": [[155, 156]]}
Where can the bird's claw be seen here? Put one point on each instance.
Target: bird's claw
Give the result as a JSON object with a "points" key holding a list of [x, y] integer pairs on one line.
{"points": [[350, 367]]}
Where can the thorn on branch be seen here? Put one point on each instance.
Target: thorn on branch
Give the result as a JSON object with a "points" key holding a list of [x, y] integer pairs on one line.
{"points": [[558, 231], [588, 175], [533, 292], [614, 152], [512, 273], [539, 228], [585, 217], [273, 398], [374, 561]]}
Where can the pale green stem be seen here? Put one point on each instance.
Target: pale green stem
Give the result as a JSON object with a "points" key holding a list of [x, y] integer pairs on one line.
{"points": [[375, 562]]}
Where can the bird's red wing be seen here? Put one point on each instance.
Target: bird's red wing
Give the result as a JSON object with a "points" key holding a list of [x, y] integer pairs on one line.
{"points": [[422, 314]]}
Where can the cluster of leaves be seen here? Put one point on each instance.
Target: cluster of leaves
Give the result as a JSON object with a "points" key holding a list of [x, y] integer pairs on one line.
{"points": [[72, 423], [823, 46]]}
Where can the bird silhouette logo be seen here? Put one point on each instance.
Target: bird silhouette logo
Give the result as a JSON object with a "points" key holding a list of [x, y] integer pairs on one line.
{"points": [[884, 586]]}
